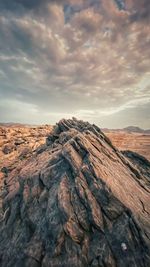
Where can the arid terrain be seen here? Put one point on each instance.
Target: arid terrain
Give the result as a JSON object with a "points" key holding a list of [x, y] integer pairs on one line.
{"points": [[18, 143], [73, 201], [134, 141]]}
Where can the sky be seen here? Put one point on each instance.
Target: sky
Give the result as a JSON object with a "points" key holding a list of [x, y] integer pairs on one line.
{"points": [[88, 59]]}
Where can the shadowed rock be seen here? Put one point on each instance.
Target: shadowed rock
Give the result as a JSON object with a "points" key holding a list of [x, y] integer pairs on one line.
{"points": [[139, 161], [79, 202]]}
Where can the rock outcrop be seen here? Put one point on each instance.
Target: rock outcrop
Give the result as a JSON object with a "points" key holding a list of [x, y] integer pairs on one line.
{"points": [[76, 202]]}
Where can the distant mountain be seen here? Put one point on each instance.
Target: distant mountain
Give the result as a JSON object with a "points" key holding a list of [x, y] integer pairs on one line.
{"points": [[13, 124], [135, 129], [19, 125], [76, 202], [129, 129]]}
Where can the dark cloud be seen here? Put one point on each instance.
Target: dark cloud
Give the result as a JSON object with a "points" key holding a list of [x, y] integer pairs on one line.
{"points": [[13, 4], [121, 4]]}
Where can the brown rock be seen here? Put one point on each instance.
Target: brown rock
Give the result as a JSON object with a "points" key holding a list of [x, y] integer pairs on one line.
{"points": [[80, 202]]}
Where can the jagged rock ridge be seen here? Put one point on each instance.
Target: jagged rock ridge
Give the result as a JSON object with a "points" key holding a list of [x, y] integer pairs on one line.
{"points": [[77, 202]]}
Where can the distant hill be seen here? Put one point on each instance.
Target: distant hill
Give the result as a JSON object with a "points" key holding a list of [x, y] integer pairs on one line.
{"points": [[19, 125], [13, 124], [129, 129], [135, 129]]}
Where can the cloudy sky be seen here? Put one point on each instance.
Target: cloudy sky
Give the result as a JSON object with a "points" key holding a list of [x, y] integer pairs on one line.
{"points": [[84, 58]]}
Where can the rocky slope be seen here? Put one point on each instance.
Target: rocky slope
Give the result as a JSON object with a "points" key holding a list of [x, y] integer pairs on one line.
{"points": [[77, 201], [139, 162]]}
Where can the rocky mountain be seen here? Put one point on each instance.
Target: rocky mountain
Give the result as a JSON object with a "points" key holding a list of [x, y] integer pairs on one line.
{"points": [[77, 201]]}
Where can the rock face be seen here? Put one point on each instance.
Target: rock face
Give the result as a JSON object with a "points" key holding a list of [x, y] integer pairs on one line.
{"points": [[139, 161], [78, 202]]}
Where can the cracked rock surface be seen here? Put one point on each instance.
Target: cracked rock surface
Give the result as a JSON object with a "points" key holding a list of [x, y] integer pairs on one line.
{"points": [[17, 144], [77, 202]]}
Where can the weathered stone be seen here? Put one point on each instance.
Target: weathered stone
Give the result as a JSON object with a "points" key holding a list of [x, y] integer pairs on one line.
{"points": [[77, 203]]}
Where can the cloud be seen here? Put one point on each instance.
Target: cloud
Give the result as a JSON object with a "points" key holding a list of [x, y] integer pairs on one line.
{"points": [[85, 58], [16, 4]]}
